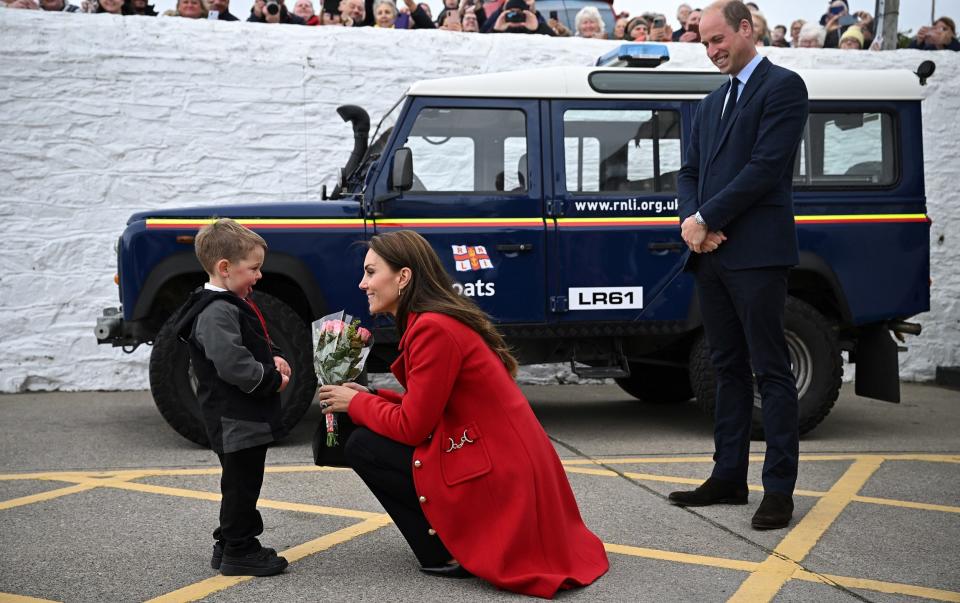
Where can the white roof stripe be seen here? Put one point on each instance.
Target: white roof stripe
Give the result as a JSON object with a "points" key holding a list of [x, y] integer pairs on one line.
{"points": [[571, 82]]}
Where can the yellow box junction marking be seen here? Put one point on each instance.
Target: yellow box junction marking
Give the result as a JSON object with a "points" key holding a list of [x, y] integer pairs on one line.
{"points": [[763, 583]]}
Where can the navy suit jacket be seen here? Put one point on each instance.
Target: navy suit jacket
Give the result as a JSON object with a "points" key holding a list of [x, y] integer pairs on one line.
{"points": [[740, 179]]}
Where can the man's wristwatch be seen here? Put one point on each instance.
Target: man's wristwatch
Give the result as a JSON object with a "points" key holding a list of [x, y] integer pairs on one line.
{"points": [[699, 219]]}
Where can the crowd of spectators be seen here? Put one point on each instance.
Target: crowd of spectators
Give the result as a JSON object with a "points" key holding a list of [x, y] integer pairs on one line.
{"points": [[837, 28]]}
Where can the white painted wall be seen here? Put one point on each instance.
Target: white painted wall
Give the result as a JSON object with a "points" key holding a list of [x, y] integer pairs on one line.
{"points": [[101, 116]]}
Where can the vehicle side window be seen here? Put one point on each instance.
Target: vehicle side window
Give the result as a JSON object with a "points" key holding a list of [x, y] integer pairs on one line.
{"points": [[469, 150], [846, 149], [608, 151]]}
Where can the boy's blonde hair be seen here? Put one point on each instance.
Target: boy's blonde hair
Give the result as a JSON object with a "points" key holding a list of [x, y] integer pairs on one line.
{"points": [[225, 239]]}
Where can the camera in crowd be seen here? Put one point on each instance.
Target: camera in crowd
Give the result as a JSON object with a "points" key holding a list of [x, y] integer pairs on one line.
{"points": [[514, 10], [272, 7]]}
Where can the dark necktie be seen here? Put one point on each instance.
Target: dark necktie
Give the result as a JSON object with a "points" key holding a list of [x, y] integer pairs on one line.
{"points": [[731, 100]]}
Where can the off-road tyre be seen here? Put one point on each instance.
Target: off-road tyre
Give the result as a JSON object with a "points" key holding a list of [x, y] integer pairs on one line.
{"points": [[172, 382], [814, 357], [657, 384]]}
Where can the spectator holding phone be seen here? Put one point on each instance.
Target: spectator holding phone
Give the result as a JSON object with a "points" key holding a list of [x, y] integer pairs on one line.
{"points": [[559, 29], [419, 15], [836, 20], [942, 36], [451, 21], [448, 5], [589, 24], [519, 16], [272, 11], [692, 27], [658, 30]]}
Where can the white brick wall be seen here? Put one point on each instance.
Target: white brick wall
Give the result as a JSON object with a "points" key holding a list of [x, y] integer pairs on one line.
{"points": [[101, 116]]}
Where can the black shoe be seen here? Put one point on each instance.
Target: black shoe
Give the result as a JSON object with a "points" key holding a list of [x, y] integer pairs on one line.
{"points": [[449, 570], [264, 562], [712, 492], [774, 512], [217, 557]]}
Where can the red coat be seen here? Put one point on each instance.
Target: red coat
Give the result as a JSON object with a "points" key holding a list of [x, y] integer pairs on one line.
{"points": [[490, 482]]}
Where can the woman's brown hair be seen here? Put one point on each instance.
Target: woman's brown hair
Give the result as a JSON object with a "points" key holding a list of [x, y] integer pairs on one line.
{"points": [[431, 289]]}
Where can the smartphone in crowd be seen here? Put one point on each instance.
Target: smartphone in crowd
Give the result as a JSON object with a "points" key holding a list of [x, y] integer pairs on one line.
{"points": [[553, 15], [847, 20], [659, 22]]}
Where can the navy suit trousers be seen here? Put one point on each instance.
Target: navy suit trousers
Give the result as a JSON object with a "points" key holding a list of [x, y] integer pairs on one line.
{"points": [[743, 319]]}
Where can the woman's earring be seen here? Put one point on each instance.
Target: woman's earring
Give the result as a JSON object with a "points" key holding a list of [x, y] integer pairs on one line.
{"points": [[399, 291]]}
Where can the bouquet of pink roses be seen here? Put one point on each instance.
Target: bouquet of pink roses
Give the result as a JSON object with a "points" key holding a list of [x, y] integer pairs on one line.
{"points": [[341, 347]]}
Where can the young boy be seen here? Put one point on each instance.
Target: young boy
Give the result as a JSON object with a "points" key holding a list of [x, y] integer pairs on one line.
{"points": [[239, 376]]}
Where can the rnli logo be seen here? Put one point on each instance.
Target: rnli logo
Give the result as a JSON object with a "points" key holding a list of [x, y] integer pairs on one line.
{"points": [[471, 257]]}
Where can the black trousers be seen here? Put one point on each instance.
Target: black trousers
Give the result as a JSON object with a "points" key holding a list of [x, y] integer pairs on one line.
{"points": [[743, 318], [385, 466], [240, 522]]}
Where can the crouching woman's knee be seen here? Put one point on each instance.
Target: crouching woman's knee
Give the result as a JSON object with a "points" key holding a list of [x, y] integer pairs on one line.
{"points": [[357, 451]]}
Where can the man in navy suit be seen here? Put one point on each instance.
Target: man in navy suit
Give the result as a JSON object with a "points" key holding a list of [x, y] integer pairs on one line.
{"points": [[736, 213]]}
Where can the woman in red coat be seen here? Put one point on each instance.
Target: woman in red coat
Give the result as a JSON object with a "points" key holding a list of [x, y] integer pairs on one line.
{"points": [[459, 461]]}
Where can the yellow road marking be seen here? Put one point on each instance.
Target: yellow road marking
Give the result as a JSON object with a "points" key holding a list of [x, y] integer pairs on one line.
{"points": [[907, 504], [722, 562], [207, 587], [262, 503], [893, 588], [764, 583], [669, 479], [48, 495], [9, 598], [852, 456]]}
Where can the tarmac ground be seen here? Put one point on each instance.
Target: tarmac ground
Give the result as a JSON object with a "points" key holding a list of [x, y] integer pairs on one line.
{"points": [[101, 501]]}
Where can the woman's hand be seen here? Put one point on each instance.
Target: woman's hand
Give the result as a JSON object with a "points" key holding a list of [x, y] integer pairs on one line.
{"points": [[336, 398], [356, 386]]}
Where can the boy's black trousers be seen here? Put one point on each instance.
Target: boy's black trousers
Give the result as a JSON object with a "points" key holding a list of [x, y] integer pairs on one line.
{"points": [[240, 522]]}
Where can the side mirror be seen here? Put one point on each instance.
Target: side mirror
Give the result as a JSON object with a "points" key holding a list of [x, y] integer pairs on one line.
{"points": [[925, 70], [401, 174]]}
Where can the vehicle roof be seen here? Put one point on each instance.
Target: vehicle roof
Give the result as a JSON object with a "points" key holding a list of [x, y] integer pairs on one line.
{"points": [[572, 82]]}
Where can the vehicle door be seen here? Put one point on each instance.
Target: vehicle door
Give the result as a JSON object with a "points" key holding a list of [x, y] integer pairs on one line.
{"points": [[477, 197], [615, 208]]}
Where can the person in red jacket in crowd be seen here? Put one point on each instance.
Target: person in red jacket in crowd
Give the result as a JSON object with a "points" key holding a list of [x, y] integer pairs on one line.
{"points": [[459, 461]]}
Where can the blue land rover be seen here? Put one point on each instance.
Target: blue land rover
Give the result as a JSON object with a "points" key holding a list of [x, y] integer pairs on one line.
{"points": [[551, 195]]}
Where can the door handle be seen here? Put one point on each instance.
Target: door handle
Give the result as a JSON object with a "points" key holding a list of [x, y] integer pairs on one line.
{"points": [[515, 247], [664, 246]]}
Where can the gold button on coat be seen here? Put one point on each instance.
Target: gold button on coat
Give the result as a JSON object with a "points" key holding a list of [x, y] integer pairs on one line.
{"points": [[417, 463], [423, 499], [432, 532]]}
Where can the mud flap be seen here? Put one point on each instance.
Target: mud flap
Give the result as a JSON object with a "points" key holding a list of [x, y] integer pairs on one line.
{"points": [[878, 369]]}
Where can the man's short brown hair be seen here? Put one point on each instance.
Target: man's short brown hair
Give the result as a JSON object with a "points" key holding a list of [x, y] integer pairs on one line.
{"points": [[733, 12], [225, 239]]}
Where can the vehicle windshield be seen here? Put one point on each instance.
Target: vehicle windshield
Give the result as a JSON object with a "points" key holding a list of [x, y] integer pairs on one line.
{"points": [[380, 136]]}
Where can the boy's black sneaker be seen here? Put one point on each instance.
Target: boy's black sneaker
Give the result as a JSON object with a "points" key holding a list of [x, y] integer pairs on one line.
{"points": [[264, 562]]}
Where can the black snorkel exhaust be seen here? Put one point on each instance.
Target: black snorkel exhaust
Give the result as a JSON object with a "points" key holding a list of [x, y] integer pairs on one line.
{"points": [[360, 121]]}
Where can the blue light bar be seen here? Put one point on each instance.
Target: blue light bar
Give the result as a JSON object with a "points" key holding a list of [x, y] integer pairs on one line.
{"points": [[635, 55]]}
